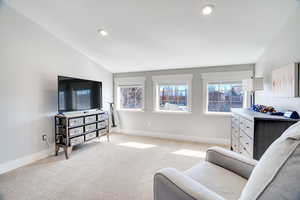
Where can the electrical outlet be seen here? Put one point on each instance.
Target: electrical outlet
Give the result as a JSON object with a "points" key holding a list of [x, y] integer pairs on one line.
{"points": [[44, 137]]}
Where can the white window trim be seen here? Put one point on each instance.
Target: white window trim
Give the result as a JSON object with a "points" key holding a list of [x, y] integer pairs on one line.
{"points": [[129, 82], [223, 77], [180, 79]]}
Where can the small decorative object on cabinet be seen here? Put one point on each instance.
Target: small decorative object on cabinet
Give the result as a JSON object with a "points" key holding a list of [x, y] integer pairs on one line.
{"points": [[76, 128], [253, 132]]}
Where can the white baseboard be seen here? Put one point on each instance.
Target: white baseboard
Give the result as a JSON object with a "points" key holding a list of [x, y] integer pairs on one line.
{"points": [[179, 137], [11, 165]]}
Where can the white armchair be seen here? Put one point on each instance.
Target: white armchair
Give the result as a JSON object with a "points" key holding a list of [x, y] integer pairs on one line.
{"points": [[231, 176], [205, 181]]}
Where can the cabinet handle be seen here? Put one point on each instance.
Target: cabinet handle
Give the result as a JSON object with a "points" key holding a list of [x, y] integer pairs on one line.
{"points": [[248, 127]]}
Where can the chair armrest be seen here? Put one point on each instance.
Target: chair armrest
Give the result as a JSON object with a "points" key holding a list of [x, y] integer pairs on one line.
{"points": [[230, 160], [170, 184]]}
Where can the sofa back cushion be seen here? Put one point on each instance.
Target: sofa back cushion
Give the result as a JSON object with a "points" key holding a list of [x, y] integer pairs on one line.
{"points": [[277, 174]]}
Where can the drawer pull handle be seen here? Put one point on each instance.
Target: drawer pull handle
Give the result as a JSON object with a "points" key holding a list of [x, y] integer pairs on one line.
{"points": [[247, 143], [248, 127]]}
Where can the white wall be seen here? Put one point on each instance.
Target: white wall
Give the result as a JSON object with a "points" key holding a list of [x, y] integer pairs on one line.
{"points": [[285, 49], [30, 60], [196, 126]]}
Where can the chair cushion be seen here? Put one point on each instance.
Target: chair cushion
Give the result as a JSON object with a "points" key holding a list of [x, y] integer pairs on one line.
{"points": [[219, 180], [277, 174]]}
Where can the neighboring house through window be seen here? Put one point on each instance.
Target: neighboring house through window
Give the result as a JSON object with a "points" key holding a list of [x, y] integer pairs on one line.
{"points": [[224, 90], [172, 93], [225, 95]]}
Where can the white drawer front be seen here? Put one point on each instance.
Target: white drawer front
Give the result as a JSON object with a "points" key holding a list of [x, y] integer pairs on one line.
{"points": [[235, 120], [76, 121], [77, 140], [235, 131], [75, 131], [102, 116], [235, 144], [244, 152], [90, 135], [90, 127], [247, 126], [90, 119], [247, 143]]}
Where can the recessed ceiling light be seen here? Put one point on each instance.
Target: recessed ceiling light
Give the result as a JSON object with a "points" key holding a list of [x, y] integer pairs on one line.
{"points": [[207, 10], [102, 32]]}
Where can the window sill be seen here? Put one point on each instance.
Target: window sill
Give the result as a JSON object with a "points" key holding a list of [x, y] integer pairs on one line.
{"points": [[172, 112], [221, 114], [130, 110]]}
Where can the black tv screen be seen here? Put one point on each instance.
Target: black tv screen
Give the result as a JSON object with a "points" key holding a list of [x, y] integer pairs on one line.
{"points": [[78, 94]]}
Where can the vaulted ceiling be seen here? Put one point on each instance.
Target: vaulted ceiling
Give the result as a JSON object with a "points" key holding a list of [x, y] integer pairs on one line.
{"points": [[161, 34]]}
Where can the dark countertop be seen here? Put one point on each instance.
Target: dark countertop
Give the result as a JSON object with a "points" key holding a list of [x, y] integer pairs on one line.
{"points": [[253, 115]]}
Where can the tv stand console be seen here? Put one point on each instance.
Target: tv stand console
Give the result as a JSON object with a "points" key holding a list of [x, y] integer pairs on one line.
{"points": [[72, 129]]}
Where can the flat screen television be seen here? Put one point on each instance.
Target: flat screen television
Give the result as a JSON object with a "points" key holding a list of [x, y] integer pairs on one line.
{"points": [[78, 94]]}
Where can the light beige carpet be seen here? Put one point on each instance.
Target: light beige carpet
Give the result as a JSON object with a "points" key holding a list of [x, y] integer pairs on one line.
{"points": [[101, 170]]}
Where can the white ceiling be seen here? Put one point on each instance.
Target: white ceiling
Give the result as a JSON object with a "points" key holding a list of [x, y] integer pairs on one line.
{"points": [[161, 34]]}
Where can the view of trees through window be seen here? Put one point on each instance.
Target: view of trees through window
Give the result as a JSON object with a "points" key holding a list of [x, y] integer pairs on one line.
{"points": [[173, 97], [222, 97], [131, 97]]}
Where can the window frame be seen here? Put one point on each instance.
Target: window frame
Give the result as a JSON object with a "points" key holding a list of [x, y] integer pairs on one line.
{"points": [[220, 83], [129, 82], [224, 77], [171, 80]]}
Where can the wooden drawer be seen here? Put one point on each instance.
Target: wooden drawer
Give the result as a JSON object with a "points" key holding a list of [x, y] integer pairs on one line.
{"points": [[102, 132], [75, 121], [90, 127], [77, 140], [90, 136], [102, 116], [90, 119], [102, 124], [75, 131]]}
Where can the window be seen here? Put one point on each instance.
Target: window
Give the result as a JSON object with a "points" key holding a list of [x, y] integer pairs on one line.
{"points": [[131, 97], [173, 97], [130, 93], [172, 93], [224, 96]]}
